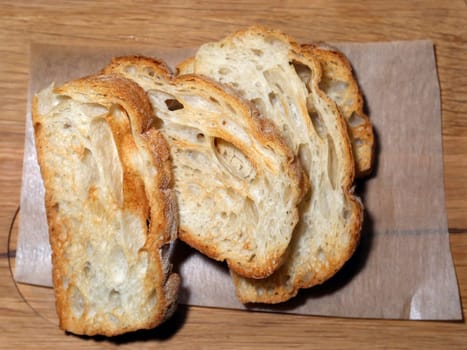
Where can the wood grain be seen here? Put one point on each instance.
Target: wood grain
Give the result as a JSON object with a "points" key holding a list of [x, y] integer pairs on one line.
{"points": [[189, 23]]}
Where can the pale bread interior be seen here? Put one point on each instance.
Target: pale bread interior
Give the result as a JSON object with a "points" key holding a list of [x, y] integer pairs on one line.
{"points": [[103, 187], [238, 185]]}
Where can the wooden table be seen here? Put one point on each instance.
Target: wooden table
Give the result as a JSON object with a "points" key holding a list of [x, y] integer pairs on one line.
{"points": [[189, 23]]}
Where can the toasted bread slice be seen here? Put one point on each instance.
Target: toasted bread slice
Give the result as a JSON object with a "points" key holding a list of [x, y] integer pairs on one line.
{"points": [[110, 205], [282, 80], [339, 84], [238, 184]]}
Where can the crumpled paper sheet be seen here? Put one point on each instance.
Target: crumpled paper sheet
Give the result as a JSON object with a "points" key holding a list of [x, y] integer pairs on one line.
{"points": [[403, 267]]}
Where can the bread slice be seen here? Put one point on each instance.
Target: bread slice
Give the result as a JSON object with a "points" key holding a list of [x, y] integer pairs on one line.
{"points": [[237, 182], [282, 80], [339, 84], [110, 205]]}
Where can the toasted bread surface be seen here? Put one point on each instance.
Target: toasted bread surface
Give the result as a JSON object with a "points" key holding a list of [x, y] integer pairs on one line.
{"points": [[110, 205], [238, 184], [282, 79]]}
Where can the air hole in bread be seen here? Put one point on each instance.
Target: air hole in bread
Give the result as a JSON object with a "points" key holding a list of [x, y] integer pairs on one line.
{"points": [[38, 128], [251, 211], [130, 69], [303, 71], [321, 254], [200, 137], [148, 223], [149, 71], [181, 134], [56, 207], [259, 103], [230, 108], [257, 52], [272, 76], [76, 301], [86, 157], [87, 269], [92, 110], [157, 123], [233, 160], [347, 213], [304, 155], [279, 88], [173, 104], [358, 142], [335, 89], [332, 163], [60, 98], [197, 102], [318, 124], [252, 257], [213, 100], [272, 98], [152, 299], [355, 120], [115, 298], [224, 70]]}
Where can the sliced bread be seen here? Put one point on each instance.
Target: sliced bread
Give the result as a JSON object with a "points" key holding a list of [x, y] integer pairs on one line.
{"points": [[340, 84], [110, 205], [238, 184], [274, 73]]}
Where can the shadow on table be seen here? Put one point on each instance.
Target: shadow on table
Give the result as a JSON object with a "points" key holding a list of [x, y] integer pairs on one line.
{"points": [[163, 332]]}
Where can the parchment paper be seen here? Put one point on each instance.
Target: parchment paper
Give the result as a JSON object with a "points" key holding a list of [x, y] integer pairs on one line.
{"points": [[403, 267]]}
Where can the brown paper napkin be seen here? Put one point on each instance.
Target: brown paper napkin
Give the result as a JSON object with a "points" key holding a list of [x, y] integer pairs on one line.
{"points": [[403, 266]]}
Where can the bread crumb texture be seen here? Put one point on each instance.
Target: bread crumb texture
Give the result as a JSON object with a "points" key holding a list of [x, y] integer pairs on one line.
{"points": [[108, 215]]}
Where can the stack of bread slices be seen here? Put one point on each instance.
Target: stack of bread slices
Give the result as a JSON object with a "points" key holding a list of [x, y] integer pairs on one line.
{"points": [[248, 153]]}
